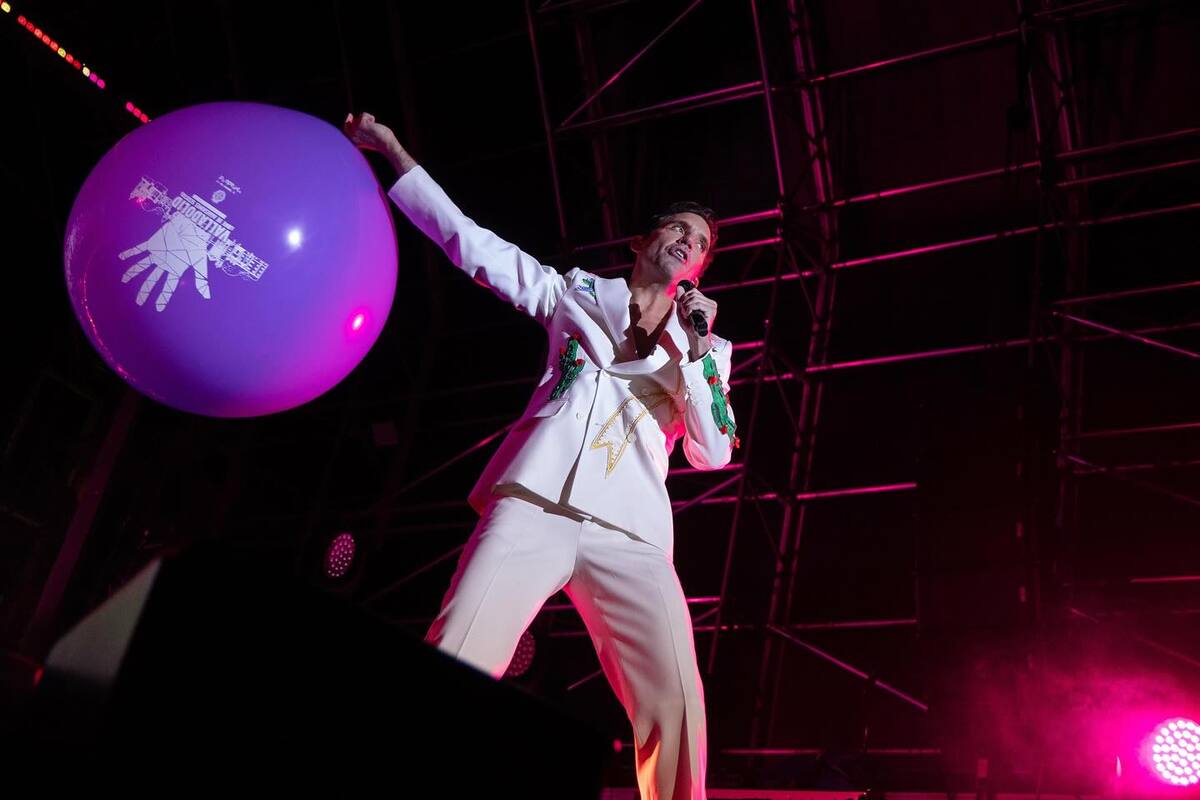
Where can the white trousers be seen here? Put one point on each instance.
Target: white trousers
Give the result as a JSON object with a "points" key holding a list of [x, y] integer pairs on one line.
{"points": [[626, 591]]}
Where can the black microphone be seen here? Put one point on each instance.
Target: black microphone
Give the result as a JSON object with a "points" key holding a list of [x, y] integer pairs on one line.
{"points": [[698, 320]]}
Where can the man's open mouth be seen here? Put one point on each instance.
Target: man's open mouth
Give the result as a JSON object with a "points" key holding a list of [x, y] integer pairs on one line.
{"points": [[679, 253]]}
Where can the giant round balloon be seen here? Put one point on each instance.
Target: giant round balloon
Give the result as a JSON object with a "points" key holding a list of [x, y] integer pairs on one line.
{"points": [[232, 259]]}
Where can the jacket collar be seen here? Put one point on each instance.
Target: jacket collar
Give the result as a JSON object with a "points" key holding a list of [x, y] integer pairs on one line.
{"points": [[613, 297]]}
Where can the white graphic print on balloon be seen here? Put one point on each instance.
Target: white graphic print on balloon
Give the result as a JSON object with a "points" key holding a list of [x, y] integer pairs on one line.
{"points": [[193, 233]]}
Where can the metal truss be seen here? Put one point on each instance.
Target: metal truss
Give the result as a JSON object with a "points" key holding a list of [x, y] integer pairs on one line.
{"points": [[1040, 39]]}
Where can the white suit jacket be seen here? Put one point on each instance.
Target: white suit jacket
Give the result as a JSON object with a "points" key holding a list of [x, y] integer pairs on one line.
{"points": [[598, 432]]}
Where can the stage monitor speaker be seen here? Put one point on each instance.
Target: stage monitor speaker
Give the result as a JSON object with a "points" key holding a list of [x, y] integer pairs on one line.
{"points": [[215, 671]]}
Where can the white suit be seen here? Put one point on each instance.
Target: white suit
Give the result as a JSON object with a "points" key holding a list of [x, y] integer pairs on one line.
{"points": [[575, 497]]}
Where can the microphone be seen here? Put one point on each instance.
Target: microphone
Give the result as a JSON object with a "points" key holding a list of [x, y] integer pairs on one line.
{"points": [[698, 320]]}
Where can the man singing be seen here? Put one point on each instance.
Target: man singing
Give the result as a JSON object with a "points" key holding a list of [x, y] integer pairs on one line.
{"points": [[575, 498]]}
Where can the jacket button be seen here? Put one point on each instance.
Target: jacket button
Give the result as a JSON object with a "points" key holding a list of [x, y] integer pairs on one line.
{"points": [[578, 415]]}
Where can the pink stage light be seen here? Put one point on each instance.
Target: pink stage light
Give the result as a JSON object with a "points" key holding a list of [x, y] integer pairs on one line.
{"points": [[340, 555], [521, 660], [1176, 752]]}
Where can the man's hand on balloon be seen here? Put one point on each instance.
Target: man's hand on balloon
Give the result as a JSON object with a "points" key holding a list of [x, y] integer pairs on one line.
{"points": [[368, 134], [365, 132]]}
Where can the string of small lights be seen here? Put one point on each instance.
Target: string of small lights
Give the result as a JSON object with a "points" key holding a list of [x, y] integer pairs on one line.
{"points": [[84, 70]]}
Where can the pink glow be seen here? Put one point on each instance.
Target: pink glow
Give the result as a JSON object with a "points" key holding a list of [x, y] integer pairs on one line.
{"points": [[1173, 750], [340, 555], [523, 657]]}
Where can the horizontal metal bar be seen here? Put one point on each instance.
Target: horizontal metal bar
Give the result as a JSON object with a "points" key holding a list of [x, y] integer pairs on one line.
{"points": [[704, 497], [583, 6], [806, 496], [1152, 644], [386, 500], [1168, 579], [940, 352], [756, 216], [729, 248], [1126, 173], [1130, 335], [816, 751], [396, 584], [741, 219], [999, 172], [1123, 293], [678, 105], [957, 243], [939, 247], [628, 64], [939, 183], [848, 667], [1149, 467], [1088, 8], [742, 91], [1148, 485], [954, 180], [974, 348], [1114, 147], [1103, 434], [998, 37]]}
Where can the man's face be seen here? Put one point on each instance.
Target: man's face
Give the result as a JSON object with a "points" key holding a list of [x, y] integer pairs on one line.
{"points": [[678, 247]]}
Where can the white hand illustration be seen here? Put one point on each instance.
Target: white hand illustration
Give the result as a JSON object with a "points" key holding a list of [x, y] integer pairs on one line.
{"points": [[174, 248]]}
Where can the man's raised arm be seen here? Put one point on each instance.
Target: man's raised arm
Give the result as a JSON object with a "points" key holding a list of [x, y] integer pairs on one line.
{"points": [[512, 274]]}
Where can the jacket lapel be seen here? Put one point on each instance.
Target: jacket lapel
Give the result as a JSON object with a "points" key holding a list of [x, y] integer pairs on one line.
{"points": [[612, 295]]}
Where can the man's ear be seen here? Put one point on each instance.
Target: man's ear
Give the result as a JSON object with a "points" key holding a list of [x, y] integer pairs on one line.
{"points": [[637, 243]]}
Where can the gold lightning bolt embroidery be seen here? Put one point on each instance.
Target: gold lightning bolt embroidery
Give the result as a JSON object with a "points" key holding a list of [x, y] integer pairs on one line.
{"points": [[648, 401]]}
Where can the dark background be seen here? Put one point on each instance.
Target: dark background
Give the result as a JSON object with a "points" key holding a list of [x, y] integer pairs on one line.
{"points": [[1007, 591]]}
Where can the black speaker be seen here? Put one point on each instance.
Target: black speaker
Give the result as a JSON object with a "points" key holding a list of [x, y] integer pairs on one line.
{"points": [[215, 671]]}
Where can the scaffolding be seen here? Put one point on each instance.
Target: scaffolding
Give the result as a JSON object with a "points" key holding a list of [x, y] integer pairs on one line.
{"points": [[798, 275], [1062, 222]]}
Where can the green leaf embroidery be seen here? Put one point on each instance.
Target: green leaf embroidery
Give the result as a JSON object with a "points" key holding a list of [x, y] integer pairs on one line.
{"points": [[569, 365], [720, 406]]}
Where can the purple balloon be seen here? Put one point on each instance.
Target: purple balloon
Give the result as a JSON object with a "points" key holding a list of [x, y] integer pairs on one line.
{"points": [[232, 259]]}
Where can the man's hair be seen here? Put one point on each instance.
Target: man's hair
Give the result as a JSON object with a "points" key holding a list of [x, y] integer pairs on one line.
{"points": [[689, 207]]}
